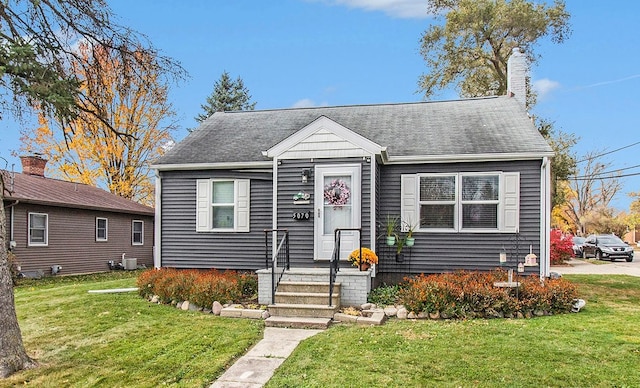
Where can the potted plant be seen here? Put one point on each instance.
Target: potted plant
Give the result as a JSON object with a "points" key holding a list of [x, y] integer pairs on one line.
{"points": [[391, 225], [410, 240], [363, 258]]}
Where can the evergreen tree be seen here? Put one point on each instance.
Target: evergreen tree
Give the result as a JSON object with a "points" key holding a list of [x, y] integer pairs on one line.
{"points": [[227, 95]]}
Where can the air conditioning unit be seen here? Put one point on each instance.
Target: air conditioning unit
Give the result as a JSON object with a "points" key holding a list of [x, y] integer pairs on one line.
{"points": [[130, 264]]}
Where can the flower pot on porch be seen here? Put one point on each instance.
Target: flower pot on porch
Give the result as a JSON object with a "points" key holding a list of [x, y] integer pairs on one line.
{"points": [[409, 241], [364, 266], [400, 257], [391, 240]]}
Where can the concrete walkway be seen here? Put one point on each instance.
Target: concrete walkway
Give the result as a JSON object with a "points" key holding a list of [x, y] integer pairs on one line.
{"points": [[255, 368], [618, 267]]}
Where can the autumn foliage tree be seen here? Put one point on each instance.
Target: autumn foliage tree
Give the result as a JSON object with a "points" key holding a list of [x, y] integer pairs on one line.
{"points": [[589, 196], [38, 40], [86, 150]]}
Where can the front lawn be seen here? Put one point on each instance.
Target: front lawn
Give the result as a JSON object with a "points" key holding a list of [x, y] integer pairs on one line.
{"points": [[598, 347], [121, 340]]}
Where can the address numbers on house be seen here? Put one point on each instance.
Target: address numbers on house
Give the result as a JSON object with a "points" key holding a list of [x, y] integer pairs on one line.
{"points": [[299, 216]]}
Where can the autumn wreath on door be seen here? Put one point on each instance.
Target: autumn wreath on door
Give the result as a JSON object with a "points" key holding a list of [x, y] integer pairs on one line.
{"points": [[337, 193]]}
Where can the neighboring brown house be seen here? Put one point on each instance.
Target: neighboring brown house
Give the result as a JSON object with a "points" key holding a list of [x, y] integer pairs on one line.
{"points": [[61, 227]]}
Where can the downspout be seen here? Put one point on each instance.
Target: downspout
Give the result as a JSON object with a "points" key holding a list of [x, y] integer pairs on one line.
{"points": [[157, 224], [11, 218], [274, 210], [372, 210], [545, 217]]}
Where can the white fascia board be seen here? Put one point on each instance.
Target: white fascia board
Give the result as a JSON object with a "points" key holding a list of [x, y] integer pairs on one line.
{"points": [[466, 158], [212, 166]]}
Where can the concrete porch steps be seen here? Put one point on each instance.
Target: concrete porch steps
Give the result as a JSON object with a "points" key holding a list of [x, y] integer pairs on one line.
{"points": [[303, 305], [302, 310], [307, 298], [298, 322]]}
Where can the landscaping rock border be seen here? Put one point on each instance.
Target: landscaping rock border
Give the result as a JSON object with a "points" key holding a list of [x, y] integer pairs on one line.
{"points": [[365, 314]]}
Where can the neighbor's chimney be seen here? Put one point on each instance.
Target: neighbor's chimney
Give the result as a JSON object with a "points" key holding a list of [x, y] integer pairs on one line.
{"points": [[33, 165], [517, 76]]}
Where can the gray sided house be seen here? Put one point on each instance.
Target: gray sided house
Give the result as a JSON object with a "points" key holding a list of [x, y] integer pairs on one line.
{"points": [[471, 175], [61, 227]]}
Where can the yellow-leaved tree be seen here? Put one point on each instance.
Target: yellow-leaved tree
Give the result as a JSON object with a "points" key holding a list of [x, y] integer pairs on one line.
{"points": [[114, 149]]}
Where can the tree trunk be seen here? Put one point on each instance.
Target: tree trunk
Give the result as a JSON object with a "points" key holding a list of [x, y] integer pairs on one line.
{"points": [[13, 356]]}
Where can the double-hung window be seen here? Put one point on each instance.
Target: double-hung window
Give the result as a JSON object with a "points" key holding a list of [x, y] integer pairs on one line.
{"points": [[38, 229], [437, 202], [479, 201], [222, 205], [137, 232], [101, 229], [462, 202]]}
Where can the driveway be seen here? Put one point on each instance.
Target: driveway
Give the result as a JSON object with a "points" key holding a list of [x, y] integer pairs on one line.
{"points": [[618, 267]]}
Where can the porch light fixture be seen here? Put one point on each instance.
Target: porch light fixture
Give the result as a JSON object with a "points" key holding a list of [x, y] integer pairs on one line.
{"points": [[305, 175]]}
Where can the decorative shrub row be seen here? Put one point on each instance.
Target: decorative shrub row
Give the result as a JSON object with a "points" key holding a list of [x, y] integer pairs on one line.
{"points": [[201, 287], [467, 294]]}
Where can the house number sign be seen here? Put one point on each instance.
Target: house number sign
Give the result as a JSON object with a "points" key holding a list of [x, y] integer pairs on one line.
{"points": [[299, 216]]}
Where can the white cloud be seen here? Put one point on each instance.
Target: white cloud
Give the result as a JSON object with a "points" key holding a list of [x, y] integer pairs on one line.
{"points": [[403, 9], [308, 103], [304, 103], [544, 86]]}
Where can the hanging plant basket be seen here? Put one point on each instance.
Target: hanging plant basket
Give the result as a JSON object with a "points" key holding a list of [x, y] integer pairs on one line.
{"points": [[391, 240]]}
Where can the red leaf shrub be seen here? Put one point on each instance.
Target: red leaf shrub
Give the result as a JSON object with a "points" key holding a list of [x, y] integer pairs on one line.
{"points": [[201, 287], [561, 246], [467, 294]]}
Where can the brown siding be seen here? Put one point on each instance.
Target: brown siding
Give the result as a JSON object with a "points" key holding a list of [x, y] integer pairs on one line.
{"points": [[72, 242]]}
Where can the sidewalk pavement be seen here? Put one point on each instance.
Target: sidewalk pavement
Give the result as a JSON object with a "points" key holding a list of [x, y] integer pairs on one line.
{"points": [[618, 267], [255, 368]]}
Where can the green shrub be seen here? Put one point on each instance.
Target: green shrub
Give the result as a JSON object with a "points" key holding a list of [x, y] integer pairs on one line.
{"points": [[467, 294], [385, 295]]}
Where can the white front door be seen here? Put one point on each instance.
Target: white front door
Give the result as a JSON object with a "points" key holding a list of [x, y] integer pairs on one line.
{"points": [[337, 205]]}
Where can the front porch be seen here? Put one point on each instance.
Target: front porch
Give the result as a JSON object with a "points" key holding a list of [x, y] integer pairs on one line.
{"points": [[354, 284]]}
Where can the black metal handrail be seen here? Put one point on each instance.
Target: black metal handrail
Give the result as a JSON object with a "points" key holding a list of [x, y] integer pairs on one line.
{"points": [[279, 261], [334, 263]]}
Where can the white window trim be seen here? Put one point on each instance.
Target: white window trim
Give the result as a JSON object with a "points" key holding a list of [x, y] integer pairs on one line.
{"points": [[508, 202], [106, 229], [204, 205], [133, 242], [46, 230]]}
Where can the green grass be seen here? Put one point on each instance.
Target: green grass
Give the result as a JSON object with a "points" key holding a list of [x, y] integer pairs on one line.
{"points": [[121, 340], [598, 347]]}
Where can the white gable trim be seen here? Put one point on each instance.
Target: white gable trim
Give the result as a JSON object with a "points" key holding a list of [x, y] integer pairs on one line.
{"points": [[324, 138]]}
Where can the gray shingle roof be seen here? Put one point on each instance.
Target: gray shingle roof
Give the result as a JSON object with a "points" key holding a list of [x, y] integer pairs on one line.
{"points": [[492, 125], [54, 192]]}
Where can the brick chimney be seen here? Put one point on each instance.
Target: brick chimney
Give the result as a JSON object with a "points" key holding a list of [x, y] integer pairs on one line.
{"points": [[517, 70], [33, 165]]}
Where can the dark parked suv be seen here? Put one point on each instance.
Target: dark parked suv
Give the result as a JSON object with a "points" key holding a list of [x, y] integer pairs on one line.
{"points": [[606, 246]]}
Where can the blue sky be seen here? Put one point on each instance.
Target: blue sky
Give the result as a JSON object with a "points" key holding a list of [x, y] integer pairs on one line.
{"points": [[341, 52]]}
